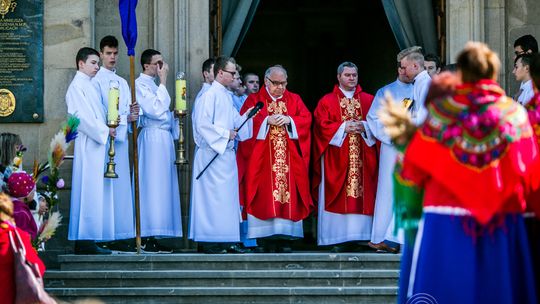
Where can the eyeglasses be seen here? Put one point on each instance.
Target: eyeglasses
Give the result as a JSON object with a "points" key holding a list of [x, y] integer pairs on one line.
{"points": [[232, 73], [277, 83], [253, 81]]}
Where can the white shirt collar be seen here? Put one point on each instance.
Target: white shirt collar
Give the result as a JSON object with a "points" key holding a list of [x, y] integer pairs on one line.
{"points": [[348, 94], [147, 77], [105, 70], [82, 75], [526, 85], [273, 98], [422, 74]]}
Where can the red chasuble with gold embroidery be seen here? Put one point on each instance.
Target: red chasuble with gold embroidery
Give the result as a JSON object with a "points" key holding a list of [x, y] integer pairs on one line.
{"points": [[273, 172], [350, 170]]}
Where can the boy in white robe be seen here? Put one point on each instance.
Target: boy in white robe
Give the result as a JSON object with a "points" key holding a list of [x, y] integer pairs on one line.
{"points": [[90, 215], [158, 177], [118, 191]]}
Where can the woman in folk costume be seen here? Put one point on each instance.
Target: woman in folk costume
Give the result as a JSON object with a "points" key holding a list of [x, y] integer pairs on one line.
{"points": [[461, 189], [7, 269]]}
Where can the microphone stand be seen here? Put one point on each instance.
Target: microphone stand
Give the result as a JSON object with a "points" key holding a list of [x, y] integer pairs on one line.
{"points": [[250, 115]]}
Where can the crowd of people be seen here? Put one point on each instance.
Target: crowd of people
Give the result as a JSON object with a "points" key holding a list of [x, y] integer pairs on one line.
{"points": [[444, 163], [258, 191]]}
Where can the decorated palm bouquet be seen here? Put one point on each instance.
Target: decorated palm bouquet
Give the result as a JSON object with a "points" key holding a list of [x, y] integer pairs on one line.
{"points": [[51, 180]]}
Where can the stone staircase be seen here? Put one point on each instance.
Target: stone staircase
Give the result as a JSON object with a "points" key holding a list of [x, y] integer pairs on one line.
{"points": [[230, 278]]}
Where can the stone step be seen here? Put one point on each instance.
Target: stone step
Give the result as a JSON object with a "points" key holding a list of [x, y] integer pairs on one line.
{"points": [[235, 278], [260, 295], [260, 261]]}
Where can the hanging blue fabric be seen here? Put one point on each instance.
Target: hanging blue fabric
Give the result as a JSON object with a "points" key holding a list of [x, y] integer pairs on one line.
{"points": [[128, 18]]}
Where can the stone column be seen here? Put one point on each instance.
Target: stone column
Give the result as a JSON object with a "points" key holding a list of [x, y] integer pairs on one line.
{"points": [[464, 22], [468, 19], [496, 37]]}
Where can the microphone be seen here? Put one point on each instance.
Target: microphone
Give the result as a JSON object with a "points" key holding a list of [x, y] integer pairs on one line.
{"points": [[256, 109], [251, 113]]}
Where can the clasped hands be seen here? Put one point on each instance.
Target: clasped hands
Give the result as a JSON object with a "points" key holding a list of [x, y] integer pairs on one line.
{"points": [[354, 127], [278, 120]]}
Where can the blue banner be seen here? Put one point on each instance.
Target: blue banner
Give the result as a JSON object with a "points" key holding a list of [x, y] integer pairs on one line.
{"points": [[128, 18]]}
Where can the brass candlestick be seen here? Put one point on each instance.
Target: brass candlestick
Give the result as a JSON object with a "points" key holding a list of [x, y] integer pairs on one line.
{"points": [[181, 151], [111, 173]]}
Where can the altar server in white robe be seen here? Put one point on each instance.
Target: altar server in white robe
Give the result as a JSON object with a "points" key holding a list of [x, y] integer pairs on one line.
{"points": [[215, 209], [208, 77], [118, 191], [383, 228], [158, 178], [91, 217], [412, 64]]}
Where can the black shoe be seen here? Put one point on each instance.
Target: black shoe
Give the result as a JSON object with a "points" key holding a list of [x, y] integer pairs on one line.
{"points": [[215, 251], [122, 246], [337, 249], [237, 248], [346, 247], [153, 246], [258, 249], [284, 249], [89, 247]]}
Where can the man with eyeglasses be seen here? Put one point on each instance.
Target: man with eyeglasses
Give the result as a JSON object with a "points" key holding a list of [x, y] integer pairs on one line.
{"points": [[251, 81], [273, 167], [159, 194], [401, 90], [345, 163], [215, 207]]}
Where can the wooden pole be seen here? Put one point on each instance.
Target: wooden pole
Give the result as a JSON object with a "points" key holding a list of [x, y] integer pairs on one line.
{"points": [[135, 157]]}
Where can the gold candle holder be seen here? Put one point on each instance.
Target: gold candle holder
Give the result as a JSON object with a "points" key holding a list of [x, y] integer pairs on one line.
{"points": [[111, 165], [181, 151]]}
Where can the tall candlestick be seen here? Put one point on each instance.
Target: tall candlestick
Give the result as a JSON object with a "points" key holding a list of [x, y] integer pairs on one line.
{"points": [[114, 96], [180, 104]]}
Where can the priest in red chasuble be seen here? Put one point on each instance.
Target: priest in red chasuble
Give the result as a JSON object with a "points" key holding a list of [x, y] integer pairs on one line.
{"points": [[345, 164], [273, 166]]}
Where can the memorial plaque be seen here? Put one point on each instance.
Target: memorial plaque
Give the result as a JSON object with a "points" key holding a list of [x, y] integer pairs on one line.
{"points": [[21, 61]]}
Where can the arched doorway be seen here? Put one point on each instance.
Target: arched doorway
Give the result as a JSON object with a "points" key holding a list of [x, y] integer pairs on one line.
{"points": [[310, 38]]}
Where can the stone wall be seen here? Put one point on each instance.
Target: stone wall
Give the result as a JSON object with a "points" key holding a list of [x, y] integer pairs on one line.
{"points": [[67, 27]]}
